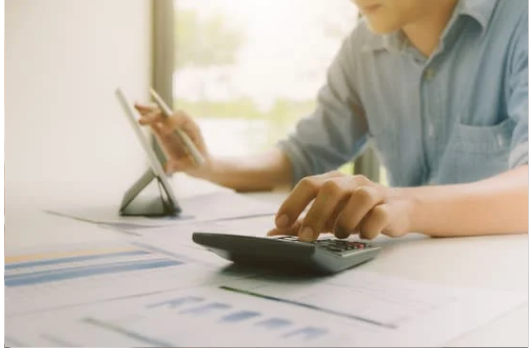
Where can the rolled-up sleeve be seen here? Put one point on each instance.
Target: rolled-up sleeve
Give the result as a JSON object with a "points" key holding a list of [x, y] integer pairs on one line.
{"points": [[336, 131], [518, 95]]}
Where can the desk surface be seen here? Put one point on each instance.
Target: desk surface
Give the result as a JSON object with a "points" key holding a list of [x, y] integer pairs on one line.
{"points": [[497, 262]]}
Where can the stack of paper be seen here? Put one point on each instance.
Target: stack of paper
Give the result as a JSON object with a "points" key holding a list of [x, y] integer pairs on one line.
{"points": [[140, 295]]}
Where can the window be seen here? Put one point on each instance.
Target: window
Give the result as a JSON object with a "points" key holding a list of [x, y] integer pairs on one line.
{"points": [[248, 70]]}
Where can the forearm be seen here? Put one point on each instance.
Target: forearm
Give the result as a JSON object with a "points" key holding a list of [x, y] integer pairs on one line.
{"points": [[262, 172], [498, 205]]}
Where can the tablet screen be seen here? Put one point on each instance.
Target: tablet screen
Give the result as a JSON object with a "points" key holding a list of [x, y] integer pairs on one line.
{"points": [[133, 116]]}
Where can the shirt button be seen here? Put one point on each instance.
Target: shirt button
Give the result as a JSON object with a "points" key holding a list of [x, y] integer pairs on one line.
{"points": [[429, 74], [431, 130]]}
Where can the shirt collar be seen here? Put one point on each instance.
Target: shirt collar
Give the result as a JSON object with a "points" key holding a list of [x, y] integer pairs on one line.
{"points": [[480, 10]]}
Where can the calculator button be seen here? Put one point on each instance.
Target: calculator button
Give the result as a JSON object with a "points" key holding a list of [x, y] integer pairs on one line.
{"points": [[332, 248], [357, 245], [341, 246], [288, 238]]}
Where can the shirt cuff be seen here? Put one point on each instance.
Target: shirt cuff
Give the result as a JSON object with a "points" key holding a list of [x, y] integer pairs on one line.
{"points": [[299, 163]]}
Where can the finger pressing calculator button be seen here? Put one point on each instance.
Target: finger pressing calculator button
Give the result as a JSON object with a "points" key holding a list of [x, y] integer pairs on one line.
{"points": [[357, 245]]}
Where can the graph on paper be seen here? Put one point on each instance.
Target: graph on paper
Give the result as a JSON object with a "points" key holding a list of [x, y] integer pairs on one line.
{"points": [[226, 314], [45, 268], [369, 300], [58, 278], [178, 319], [351, 309]]}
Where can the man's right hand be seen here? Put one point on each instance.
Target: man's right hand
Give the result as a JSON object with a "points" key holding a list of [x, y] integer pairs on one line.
{"points": [[179, 157], [255, 172]]}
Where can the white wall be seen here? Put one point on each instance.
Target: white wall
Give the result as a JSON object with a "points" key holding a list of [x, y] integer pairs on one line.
{"points": [[63, 60]]}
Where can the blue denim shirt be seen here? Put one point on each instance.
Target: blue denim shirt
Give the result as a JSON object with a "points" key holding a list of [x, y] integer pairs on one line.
{"points": [[458, 116]]}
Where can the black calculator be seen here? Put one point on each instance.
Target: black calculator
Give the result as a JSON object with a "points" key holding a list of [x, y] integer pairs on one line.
{"points": [[327, 255]]}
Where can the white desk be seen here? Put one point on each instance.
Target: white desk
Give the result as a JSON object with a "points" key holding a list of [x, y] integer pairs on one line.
{"points": [[499, 262]]}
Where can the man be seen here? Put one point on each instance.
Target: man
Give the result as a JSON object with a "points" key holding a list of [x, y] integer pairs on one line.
{"points": [[441, 88]]}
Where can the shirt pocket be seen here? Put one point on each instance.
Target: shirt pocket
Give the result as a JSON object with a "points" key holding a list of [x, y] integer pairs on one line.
{"points": [[476, 152]]}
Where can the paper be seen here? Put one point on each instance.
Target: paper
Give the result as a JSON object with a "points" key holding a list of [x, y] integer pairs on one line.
{"points": [[180, 235], [89, 273], [352, 309], [186, 186], [388, 311], [205, 207]]}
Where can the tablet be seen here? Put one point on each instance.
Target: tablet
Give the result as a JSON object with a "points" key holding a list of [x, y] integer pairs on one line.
{"points": [[158, 172]]}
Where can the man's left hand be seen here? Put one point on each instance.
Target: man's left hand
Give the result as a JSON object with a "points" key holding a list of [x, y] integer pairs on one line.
{"points": [[343, 205]]}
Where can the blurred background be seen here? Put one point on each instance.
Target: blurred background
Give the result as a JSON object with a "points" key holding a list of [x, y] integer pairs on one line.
{"points": [[251, 69], [245, 70], [63, 126]]}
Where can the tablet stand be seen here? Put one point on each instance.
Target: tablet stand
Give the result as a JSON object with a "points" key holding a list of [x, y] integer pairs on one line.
{"points": [[148, 197]]}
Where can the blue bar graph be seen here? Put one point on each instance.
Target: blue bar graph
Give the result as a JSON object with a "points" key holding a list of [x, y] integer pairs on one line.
{"points": [[57, 261], [239, 316], [308, 332], [85, 271], [176, 302], [274, 323], [207, 309]]}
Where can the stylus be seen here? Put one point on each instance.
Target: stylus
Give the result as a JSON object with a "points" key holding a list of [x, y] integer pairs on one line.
{"points": [[166, 111]]}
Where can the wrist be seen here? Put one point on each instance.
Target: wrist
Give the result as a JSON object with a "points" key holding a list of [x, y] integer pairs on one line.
{"points": [[414, 209], [428, 207], [205, 171], [222, 171]]}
